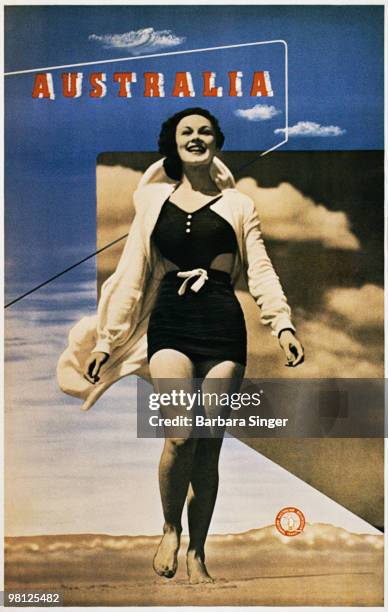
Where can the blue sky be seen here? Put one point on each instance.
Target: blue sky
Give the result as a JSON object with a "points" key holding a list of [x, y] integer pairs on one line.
{"points": [[335, 60], [335, 88], [96, 462], [335, 81]]}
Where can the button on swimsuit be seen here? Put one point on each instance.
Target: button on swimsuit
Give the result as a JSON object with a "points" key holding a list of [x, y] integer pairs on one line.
{"points": [[196, 311]]}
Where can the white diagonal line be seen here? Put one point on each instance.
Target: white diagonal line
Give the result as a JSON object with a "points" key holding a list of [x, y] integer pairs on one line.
{"points": [[171, 53], [139, 57]]}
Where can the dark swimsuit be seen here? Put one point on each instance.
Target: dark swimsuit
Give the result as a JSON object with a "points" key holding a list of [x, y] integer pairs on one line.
{"points": [[204, 324]]}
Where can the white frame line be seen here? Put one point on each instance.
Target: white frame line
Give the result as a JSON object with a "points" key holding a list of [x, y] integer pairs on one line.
{"points": [[170, 53]]}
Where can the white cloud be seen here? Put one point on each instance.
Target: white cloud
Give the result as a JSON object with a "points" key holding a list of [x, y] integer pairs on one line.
{"points": [[331, 346], [287, 214], [138, 41], [96, 459], [259, 112], [363, 307], [310, 128]]}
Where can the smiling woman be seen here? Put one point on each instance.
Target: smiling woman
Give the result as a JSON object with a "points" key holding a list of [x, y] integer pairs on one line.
{"points": [[197, 139], [198, 242], [171, 303]]}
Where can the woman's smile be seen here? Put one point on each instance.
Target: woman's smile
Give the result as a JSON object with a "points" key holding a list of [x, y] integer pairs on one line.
{"points": [[197, 147], [195, 140]]}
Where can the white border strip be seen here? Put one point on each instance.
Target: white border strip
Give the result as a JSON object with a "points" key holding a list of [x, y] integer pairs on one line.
{"points": [[169, 54], [285, 98]]}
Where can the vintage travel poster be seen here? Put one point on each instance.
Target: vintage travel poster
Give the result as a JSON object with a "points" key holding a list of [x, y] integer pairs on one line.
{"points": [[91, 93]]}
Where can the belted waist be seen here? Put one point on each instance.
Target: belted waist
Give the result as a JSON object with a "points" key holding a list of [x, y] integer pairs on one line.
{"points": [[196, 278]]}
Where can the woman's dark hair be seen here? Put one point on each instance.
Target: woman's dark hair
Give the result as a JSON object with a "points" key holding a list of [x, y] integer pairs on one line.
{"points": [[167, 141]]}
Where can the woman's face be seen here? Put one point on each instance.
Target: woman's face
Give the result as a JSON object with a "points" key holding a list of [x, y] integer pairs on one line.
{"points": [[195, 140]]}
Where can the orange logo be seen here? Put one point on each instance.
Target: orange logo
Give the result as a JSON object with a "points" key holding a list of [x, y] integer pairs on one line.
{"points": [[290, 521]]}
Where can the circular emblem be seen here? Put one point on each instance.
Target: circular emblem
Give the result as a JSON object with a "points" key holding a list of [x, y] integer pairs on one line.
{"points": [[290, 521]]}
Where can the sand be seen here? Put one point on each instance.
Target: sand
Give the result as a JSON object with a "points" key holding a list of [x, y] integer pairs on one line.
{"points": [[323, 566]]}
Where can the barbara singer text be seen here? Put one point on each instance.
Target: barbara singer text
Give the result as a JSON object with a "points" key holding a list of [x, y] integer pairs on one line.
{"points": [[201, 421]]}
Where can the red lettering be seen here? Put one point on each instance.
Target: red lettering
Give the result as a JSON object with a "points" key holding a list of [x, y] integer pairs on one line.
{"points": [[181, 85], [71, 84], [125, 79], [152, 85], [235, 83], [41, 87], [259, 87], [96, 80], [209, 89]]}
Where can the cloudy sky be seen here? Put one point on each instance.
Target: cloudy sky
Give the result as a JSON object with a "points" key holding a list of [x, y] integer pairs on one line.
{"points": [[51, 146], [327, 257], [63, 459], [74, 472]]}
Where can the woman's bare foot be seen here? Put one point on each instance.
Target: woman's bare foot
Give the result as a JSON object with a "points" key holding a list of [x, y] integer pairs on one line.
{"points": [[166, 558], [196, 569]]}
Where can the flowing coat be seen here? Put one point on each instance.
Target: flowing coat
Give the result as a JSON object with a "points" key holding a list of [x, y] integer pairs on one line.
{"points": [[128, 295]]}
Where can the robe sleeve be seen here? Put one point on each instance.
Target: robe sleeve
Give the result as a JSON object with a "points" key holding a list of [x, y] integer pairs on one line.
{"points": [[121, 293], [263, 282]]}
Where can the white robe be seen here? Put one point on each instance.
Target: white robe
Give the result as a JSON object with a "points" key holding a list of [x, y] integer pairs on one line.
{"points": [[128, 295]]}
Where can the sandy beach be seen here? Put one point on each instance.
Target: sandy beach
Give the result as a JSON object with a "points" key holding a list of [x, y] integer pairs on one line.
{"points": [[323, 566]]}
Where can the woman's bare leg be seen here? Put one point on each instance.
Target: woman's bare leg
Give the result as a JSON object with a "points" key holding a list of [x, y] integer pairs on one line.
{"points": [[176, 460], [204, 478]]}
